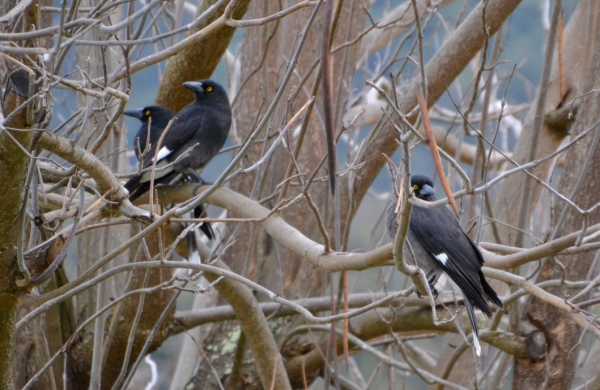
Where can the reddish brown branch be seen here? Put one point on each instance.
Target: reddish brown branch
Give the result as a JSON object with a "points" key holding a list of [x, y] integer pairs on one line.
{"points": [[435, 152]]}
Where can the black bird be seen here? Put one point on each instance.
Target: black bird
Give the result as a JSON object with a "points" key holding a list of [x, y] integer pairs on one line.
{"points": [[159, 118], [195, 137], [18, 81], [439, 244]]}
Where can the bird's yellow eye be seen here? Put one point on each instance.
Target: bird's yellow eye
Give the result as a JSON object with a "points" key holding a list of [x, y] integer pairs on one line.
{"points": [[415, 186], [208, 89], [147, 112]]}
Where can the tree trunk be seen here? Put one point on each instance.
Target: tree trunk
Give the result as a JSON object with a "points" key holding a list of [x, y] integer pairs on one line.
{"points": [[581, 174], [255, 254], [14, 164], [198, 61], [506, 208]]}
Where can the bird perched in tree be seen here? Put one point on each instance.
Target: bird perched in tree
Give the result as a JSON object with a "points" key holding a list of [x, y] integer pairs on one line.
{"points": [[439, 244], [158, 117], [195, 137]]}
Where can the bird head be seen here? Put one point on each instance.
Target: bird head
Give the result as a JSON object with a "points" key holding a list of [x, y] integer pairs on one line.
{"points": [[207, 90], [158, 114], [423, 187]]}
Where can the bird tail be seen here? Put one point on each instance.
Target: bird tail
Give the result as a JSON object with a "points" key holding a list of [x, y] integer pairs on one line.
{"points": [[138, 190], [489, 292], [132, 185], [200, 212], [193, 254], [474, 327]]}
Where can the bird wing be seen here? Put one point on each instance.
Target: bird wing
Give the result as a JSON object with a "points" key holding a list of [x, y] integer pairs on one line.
{"points": [[188, 121], [142, 135], [441, 235]]}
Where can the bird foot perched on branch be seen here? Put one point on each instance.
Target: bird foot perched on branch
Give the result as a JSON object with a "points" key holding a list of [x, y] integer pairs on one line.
{"points": [[195, 177], [188, 142], [431, 279], [434, 292]]}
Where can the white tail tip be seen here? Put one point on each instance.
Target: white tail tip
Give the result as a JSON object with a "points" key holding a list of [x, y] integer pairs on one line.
{"points": [[476, 343], [195, 258]]}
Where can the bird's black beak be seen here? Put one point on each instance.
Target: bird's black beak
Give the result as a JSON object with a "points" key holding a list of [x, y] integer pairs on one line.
{"points": [[195, 86], [426, 190], [139, 113]]}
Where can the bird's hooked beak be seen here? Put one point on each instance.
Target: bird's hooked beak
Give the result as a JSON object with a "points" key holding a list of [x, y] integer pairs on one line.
{"points": [[138, 113], [426, 190], [195, 86]]}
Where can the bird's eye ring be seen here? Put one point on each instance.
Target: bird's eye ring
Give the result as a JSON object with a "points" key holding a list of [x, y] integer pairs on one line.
{"points": [[416, 186], [147, 112], [208, 89]]}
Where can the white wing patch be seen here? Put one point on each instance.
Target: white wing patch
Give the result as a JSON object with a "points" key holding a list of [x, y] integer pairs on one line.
{"points": [[162, 153], [442, 258]]}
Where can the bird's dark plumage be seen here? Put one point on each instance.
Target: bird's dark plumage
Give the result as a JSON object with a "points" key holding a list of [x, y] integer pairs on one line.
{"points": [[158, 117], [197, 134], [440, 244], [200, 212]]}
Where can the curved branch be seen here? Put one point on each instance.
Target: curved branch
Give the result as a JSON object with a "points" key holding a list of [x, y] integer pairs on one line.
{"points": [[542, 295], [286, 234], [100, 172], [525, 256], [377, 323], [184, 65], [314, 252], [255, 326]]}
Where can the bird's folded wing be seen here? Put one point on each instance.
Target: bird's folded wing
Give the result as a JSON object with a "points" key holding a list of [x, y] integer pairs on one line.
{"points": [[181, 131], [440, 234]]}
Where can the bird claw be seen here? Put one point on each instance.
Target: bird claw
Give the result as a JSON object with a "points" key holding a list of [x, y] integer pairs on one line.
{"points": [[194, 177], [434, 293]]}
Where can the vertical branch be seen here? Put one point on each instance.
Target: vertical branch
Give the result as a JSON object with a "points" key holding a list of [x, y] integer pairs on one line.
{"points": [[154, 162], [99, 327], [420, 45], [435, 153], [561, 30], [331, 162], [132, 334], [327, 100], [480, 165], [22, 225], [486, 42], [346, 321], [538, 120]]}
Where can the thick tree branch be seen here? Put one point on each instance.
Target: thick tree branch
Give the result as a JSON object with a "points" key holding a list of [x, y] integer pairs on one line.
{"points": [[440, 72], [296, 241], [108, 184], [380, 322], [184, 65]]}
